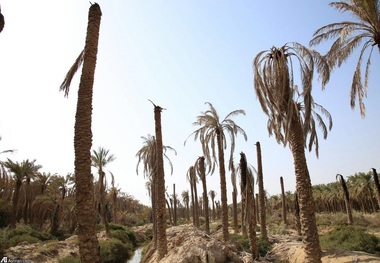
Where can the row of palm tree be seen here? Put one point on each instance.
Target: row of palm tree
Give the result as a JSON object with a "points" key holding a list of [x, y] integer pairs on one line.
{"points": [[292, 119]]}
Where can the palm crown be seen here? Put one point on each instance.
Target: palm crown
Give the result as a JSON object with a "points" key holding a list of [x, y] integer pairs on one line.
{"points": [[348, 35]]}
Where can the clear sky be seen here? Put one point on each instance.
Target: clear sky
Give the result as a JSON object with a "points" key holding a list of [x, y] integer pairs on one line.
{"points": [[179, 54]]}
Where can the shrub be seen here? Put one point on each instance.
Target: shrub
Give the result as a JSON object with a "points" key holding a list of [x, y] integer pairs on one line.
{"points": [[114, 251], [263, 246], [350, 238]]}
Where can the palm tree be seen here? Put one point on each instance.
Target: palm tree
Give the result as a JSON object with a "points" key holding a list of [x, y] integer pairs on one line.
{"points": [[2, 23], [274, 87], [249, 214], [212, 195], [201, 170], [185, 199], [347, 36], [234, 200], [191, 177], [213, 132], [88, 243], [21, 171], [99, 159], [260, 181], [162, 246], [30, 171], [346, 198], [147, 156]]}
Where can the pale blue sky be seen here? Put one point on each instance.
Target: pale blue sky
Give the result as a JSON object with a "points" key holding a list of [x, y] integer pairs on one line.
{"points": [[179, 54]]}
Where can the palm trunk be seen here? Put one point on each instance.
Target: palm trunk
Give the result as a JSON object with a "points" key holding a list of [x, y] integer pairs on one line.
{"points": [[161, 210], [15, 198], [205, 197], [283, 201], [243, 184], [346, 200], [223, 187], [263, 226], [103, 210], [192, 194], [250, 207], [196, 204], [305, 194], [297, 215], [174, 206], [234, 210], [88, 243], [377, 186]]}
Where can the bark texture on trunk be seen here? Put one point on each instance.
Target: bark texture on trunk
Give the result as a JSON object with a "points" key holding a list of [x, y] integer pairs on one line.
{"points": [[223, 188], [86, 229], [161, 210], [283, 201], [262, 209], [305, 194], [202, 169], [377, 185]]}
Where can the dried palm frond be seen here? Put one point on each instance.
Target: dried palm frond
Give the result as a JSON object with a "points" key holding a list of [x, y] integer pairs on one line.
{"points": [[65, 86]]}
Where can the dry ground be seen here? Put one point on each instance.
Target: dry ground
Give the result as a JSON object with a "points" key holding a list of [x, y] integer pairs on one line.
{"points": [[187, 244]]}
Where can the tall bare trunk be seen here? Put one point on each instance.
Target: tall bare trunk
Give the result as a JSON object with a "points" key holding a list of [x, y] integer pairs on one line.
{"points": [[297, 214], [243, 183], [88, 243], [350, 219], [161, 210], [250, 207], [283, 201], [263, 225], [174, 206]]}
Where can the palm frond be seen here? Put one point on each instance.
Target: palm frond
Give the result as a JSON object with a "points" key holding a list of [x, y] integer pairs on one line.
{"points": [[65, 86]]}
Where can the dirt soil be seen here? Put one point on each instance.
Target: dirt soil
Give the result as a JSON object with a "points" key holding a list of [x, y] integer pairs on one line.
{"points": [[187, 244]]}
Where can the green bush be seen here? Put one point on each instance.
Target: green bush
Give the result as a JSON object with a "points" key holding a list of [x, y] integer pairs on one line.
{"points": [[21, 238], [69, 259], [350, 238], [114, 251], [263, 246], [11, 237]]}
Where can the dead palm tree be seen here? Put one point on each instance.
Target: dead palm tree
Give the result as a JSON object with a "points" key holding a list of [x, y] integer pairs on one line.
{"points": [[260, 181], [350, 219], [99, 160], [162, 246], [88, 243], [348, 35], [234, 200], [200, 168], [283, 201], [274, 87], [213, 132]]}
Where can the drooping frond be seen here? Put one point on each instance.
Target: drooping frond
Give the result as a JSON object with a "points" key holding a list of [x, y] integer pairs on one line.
{"points": [[349, 35], [65, 86], [279, 96]]}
